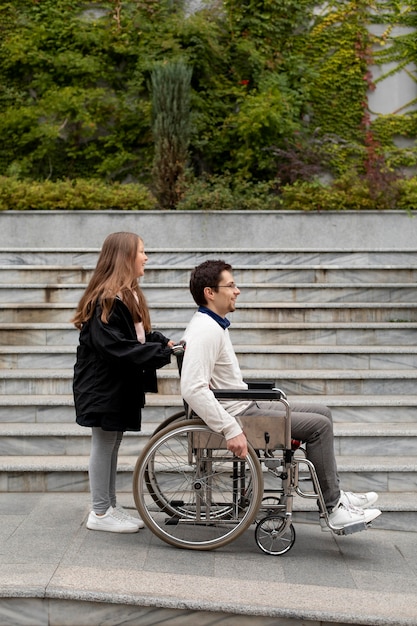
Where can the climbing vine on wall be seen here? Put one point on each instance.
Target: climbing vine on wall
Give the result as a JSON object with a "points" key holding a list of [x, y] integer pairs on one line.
{"points": [[280, 90], [396, 51]]}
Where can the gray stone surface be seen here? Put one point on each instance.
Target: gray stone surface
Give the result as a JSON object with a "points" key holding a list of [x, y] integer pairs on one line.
{"points": [[54, 571], [363, 230]]}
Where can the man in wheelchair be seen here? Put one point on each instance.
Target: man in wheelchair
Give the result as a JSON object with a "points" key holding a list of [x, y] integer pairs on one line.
{"points": [[210, 363]]}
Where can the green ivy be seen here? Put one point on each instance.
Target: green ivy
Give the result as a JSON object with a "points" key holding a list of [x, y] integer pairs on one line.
{"points": [[75, 89]]}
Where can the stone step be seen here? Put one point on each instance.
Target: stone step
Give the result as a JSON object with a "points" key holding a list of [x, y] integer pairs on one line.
{"points": [[250, 292], [39, 334], [43, 357], [292, 274], [70, 473], [273, 357], [63, 275], [243, 273], [56, 408], [321, 383], [52, 439], [321, 333], [282, 357], [87, 256], [283, 333], [293, 382], [376, 409], [258, 312]]}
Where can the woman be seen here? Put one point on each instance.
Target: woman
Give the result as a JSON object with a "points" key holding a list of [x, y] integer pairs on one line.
{"points": [[116, 361]]}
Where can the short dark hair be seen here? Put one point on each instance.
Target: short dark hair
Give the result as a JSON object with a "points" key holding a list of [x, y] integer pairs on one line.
{"points": [[207, 274]]}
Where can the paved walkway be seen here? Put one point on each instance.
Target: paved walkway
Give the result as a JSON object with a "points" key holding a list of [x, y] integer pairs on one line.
{"points": [[54, 571]]}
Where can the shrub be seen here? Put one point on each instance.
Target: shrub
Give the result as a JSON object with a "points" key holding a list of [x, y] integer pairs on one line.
{"points": [[224, 193], [81, 195], [407, 199], [350, 192]]}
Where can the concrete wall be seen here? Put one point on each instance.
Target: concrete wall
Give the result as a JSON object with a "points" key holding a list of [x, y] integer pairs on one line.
{"points": [[370, 230]]}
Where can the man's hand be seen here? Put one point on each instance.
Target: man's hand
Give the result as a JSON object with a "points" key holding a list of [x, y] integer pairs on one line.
{"points": [[238, 445]]}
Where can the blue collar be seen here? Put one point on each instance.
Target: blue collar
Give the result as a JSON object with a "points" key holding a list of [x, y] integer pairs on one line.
{"points": [[222, 321]]}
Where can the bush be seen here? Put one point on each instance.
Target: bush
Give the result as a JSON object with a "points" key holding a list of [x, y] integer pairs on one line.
{"points": [[407, 194], [80, 195], [225, 193], [350, 192]]}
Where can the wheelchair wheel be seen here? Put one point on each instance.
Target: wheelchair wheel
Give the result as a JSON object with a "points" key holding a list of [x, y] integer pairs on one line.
{"points": [[191, 491], [274, 535]]}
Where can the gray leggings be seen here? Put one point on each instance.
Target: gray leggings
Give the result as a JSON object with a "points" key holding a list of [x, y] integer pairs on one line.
{"points": [[312, 424], [102, 469]]}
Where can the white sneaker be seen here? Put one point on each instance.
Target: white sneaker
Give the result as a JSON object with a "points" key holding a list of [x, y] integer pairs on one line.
{"points": [[112, 521], [344, 514], [360, 500], [127, 516]]}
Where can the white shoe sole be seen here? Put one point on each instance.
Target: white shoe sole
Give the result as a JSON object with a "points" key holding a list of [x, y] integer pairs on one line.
{"points": [[114, 529]]}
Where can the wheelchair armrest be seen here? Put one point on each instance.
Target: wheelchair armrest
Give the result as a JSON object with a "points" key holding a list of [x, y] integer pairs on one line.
{"points": [[260, 384], [249, 394]]}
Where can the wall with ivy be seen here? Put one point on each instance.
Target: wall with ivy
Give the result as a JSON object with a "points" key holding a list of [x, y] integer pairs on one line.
{"points": [[283, 92]]}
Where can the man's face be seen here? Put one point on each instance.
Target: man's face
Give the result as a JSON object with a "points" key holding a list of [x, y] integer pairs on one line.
{"points": [[223, 301]]}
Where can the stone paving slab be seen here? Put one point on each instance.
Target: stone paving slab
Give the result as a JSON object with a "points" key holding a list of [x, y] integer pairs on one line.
{"points": [[49, 561]]}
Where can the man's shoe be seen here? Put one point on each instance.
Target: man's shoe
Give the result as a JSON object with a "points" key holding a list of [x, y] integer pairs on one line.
{"points": [[360, 500], [344, 515], [112, 521], [127, 516]]}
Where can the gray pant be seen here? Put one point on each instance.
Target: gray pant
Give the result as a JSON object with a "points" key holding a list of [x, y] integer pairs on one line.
{"points": [[102, 469], [313, 425]]}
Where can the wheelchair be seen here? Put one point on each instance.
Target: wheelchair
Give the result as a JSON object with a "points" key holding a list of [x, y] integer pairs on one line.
{"points": [[193, 493]]}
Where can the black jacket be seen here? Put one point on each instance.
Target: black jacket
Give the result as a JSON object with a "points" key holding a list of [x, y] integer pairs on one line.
{"points": [[113, 370]]}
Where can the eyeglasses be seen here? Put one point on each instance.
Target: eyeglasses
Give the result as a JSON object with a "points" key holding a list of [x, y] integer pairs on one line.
{"points": [[229, 286]]}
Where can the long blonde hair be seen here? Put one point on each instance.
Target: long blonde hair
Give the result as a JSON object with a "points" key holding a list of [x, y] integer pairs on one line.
{"points": [[114, 276]]}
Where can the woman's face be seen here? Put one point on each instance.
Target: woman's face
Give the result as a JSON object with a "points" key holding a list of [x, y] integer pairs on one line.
{"points": [[141, 259]]}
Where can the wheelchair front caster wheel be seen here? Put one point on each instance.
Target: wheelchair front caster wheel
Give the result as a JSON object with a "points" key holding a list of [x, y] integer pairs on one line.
{"points": [[274, 536]]}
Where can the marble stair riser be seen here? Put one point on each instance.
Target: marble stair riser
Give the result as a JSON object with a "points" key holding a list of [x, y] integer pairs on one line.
{"points": [[320, 383], [343, 334], [383, 480], [255, 313], [53, 444], [292, 274], [258, 358], [86, 258], [323, 383], [55, 293], [155, 412], [250, 272]]}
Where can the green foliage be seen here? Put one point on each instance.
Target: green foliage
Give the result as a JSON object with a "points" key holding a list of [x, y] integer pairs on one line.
{"points": [[350, 192], [338, 45], [227, 193], [407, 194], [171, 111], [88, 195], [270, 79], [265, 117], [76, 103]]}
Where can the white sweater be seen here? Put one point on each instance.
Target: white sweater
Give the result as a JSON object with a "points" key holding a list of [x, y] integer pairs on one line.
{"points": [[210, 363]]}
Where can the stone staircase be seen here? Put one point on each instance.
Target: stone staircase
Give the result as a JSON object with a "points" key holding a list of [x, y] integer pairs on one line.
{"points": [[335, 326]]}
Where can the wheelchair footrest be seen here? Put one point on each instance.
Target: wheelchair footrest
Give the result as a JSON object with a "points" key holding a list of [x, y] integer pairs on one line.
{"points": [[350, 529]]}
